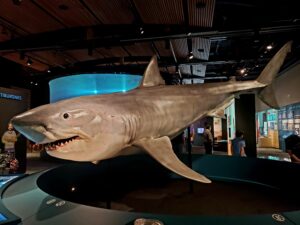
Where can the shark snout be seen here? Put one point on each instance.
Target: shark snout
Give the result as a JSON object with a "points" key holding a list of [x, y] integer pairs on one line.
{"points": [[31, 130]]}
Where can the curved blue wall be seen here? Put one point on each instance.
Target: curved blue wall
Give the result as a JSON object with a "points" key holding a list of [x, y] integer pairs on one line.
{"points": [[91, 84]]}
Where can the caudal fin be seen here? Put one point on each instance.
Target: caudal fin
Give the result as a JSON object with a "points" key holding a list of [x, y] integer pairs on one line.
{"points": [[269, 73], [272, 68]]}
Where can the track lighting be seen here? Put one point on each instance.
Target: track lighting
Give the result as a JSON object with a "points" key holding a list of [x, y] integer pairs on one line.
{"points": [[242, 71], [141, 30], [269, 47], [190, 55], [29, 62]]}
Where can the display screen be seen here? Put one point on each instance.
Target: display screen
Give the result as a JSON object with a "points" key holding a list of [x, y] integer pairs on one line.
{"points": [[200, 130], [91, 84], [2, 217]]}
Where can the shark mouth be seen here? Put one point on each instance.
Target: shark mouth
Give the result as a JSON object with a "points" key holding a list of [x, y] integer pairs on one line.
{"points": [[60, 143]]}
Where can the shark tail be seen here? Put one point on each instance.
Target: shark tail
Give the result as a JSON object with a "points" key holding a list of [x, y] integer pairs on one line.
{"points": [[269, 73]]}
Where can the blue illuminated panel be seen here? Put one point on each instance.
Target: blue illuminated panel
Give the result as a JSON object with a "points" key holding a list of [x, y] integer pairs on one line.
{"points": [[91, 84], [2, 217]]}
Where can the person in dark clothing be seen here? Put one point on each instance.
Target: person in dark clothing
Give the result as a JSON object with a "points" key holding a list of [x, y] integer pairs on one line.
{"points": [[292, 145], [208, 140], [238, 144]]}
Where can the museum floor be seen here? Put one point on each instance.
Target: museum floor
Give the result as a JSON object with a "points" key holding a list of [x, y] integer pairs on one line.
{"points": [[35, 163]]}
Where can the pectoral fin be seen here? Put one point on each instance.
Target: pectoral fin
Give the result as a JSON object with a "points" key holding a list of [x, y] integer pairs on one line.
{"points": [[161, 150]]}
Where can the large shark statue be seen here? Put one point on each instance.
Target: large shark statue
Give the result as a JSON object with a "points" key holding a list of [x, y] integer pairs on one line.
{"points": [[94, 128]]}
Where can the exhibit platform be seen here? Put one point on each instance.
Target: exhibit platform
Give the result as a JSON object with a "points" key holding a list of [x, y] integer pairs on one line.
{"points": [[121, 190]]}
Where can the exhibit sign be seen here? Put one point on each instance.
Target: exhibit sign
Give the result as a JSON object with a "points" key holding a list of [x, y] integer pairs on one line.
{"points": [[10, 96]]}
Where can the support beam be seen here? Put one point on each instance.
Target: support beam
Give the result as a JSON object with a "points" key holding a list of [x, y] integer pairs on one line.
{"points": [[126, 34]]}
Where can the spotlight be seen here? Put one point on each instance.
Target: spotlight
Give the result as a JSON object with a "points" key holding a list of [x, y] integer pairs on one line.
{"points": [[141, 30], [269, 47], [190, 55], [49, 71], [29, 62], [242, 71]]}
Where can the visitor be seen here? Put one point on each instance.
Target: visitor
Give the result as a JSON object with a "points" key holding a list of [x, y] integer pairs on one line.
{"points": [[9, 138], [238, 144], [208, 140], [292, 146]]}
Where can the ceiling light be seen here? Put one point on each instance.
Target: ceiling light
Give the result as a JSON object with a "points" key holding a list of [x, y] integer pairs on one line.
{"points": [[242, 71], [29, 62], [190, 55], [141, 30], [48, 71], [218, 38], [269, 47]]}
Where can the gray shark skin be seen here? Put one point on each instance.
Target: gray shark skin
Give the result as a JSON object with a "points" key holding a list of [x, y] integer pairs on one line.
{"points": [[94, 128]]}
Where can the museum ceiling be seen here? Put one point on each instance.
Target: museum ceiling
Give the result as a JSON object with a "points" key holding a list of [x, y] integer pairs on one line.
{"points": [[194, 40]]}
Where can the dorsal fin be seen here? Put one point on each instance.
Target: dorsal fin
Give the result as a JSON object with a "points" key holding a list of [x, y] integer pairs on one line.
{"points": [[152, 75]]}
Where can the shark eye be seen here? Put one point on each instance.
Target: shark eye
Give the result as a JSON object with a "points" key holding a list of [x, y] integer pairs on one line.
{"points": [[66, 115]]}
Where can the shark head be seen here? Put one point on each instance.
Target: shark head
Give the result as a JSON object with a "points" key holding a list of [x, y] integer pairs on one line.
{"points": [[73, 130]]}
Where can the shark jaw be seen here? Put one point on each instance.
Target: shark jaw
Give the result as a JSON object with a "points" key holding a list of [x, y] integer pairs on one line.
{"points": [[61, 145]]}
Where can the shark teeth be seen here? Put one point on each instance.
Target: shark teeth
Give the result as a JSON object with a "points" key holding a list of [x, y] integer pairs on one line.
{"points": [[59, 143]]}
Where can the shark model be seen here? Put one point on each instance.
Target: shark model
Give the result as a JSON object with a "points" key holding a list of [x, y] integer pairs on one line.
{"points": [[94, 128]]}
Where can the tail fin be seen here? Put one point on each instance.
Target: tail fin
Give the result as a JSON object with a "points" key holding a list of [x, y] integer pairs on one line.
{"points": [[272, 68], [269, 73]]}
